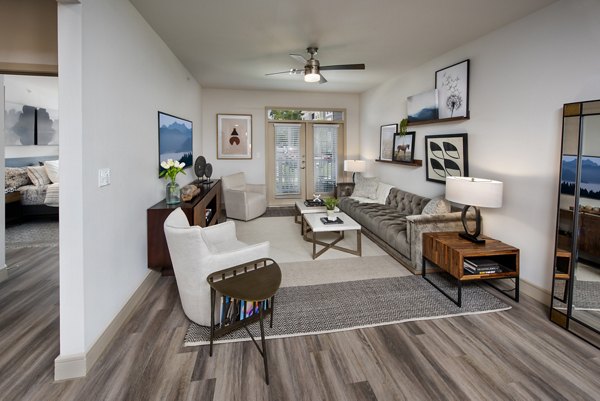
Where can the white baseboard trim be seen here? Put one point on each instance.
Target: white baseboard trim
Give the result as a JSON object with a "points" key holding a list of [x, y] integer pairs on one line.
{"points": [[74, 366], [535, 292]]}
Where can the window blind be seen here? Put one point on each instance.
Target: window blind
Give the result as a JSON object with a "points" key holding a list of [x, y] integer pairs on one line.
{"points": [[287, 159], [325, 142]]}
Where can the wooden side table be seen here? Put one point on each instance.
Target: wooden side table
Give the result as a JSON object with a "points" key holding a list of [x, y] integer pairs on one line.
{"points": [[448, 251], [255, 281]]}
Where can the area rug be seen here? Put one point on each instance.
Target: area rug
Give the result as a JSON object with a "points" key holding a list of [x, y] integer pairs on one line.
{"points": [[32, 234], [327, 308], [586, 295]]}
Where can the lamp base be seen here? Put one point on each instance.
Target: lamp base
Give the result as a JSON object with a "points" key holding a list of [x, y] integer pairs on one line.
{"points": [[471, 238]]}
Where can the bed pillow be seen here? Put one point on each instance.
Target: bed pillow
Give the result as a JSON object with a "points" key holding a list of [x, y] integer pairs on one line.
{"points": [[15, 177], [38, 175], [437, 206], [52, 170], [365, 187]]}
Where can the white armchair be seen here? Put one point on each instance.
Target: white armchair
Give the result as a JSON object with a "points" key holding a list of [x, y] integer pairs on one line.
{"points": [[243, 201], [196, 252]]}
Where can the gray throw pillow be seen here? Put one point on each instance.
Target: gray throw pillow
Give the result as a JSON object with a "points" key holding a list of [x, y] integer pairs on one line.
{"points": [[38, 175], [365, 187], [437, 206]]}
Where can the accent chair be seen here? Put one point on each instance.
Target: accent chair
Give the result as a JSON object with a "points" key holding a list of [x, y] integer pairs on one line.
{"points": [[243, 201]]}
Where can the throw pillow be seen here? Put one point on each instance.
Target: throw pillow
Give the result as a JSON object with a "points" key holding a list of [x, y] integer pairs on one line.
{"points": [[52, 170], [437, 206], [38, 175], [15, 177], [365, 187]]}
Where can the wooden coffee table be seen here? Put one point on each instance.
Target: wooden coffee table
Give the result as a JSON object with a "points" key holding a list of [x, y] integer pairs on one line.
{"points": [[314, 224]]}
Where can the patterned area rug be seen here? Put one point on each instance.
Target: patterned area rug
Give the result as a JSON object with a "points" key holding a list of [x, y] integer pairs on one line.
{"points": [[586, 295], [326, 308], [32, 234]]}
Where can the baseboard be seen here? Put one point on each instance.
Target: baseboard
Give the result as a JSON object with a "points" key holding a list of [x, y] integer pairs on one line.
{"points": [[75, 366], [3, 273], [535, 292]]}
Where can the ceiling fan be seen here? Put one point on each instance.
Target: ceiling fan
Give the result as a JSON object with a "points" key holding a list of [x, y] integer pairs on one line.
{"points": [[312, 69]]}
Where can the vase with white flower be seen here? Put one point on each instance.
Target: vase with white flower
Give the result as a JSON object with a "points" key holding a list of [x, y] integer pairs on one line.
{"points": [[170, 170]]}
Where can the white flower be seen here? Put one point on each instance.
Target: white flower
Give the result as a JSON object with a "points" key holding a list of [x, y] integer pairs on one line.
{"points": [[164, 165], [181, 165], [170, 162], [176, 164]]}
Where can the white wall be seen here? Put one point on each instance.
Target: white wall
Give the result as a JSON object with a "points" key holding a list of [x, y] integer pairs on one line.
{"points": [[37, 92], [225, 101], [113, 80], [521, 75]]}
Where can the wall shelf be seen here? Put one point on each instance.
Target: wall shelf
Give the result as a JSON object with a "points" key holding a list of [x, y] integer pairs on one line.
{"points": [[414, 163], [438, 121]]}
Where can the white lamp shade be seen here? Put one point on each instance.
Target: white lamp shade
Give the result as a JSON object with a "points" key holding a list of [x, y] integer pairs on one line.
{"points": [[474, 191], [355, 166]]}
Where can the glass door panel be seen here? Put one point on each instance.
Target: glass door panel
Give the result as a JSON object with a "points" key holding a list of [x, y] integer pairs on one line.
{"points": [[289, 161], [325, 158]]}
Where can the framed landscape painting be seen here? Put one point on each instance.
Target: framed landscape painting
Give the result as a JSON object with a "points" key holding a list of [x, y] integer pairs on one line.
{"points": [[386, 141], [452, 84], [446, 156], [234, 136], [404, 147], [174, 140], [423, 107], [19, 124]]}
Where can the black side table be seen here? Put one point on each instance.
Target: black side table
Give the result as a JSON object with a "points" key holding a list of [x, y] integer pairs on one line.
{"points": [[255, 281]]}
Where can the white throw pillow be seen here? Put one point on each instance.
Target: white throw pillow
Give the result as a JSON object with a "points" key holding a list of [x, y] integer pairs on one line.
{"points": [[365, 187], [437, 206], [38, 175], [51, 167]]}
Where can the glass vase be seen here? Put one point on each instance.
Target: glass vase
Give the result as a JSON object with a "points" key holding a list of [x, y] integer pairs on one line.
{"points": [[173, 193]]}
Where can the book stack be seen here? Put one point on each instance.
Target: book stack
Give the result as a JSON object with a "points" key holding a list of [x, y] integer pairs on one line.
{"points": [[208, 214], [233, 310], [482, 266]]}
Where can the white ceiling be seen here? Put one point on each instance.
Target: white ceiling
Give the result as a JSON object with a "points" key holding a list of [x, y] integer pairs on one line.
{"points": [[234, 43]]}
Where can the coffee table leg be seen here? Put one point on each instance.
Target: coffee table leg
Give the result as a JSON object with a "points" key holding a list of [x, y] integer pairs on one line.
{"points": [[358, 243], [264, 344], [212, 318]]}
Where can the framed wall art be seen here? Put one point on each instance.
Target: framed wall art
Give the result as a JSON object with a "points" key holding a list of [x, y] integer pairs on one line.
{"points": [[386, 141], [404, 147], [234, 136], [423, 107], [452, 84], [446, 156], [174, 140]]}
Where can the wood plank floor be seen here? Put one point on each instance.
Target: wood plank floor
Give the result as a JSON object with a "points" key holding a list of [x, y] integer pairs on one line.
{"points": [[517, 354]]}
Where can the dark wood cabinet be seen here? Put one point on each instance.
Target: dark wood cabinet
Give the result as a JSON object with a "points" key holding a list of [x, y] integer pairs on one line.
{"points": [[203, 210]]}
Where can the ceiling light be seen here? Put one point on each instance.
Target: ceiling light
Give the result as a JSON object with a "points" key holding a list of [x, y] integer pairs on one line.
{"points": [[312, 77]]}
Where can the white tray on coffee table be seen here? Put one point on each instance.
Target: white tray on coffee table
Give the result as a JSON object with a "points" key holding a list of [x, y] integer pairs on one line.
{"points": [[314, 225]]}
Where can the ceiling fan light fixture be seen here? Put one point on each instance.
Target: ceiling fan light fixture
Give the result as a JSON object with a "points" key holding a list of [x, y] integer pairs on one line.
{"points": [[312, 77]]}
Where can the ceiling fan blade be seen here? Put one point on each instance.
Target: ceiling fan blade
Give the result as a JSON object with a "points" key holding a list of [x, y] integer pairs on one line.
{"points": [[299, 58], [291, 71], [322, 80], [343, 67]]}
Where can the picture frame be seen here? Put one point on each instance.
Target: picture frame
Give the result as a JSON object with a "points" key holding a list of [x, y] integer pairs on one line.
{"points": [[19, 124], [452, 84], [404, 147], [175, 136], [234, 136], [446, 155], [386, 141], [423, 106]]}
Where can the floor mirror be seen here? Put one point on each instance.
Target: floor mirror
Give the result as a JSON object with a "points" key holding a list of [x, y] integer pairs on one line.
{"points": [[576, 274]]}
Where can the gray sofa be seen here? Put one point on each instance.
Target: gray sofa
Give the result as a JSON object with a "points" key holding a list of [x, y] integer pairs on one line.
{"points": [[398, 224]]}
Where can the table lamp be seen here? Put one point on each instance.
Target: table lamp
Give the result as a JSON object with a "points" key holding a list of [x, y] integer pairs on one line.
{"points": [[355, 166], [476, 193]]}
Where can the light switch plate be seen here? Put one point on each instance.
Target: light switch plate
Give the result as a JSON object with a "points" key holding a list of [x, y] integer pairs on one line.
{"points": [[103, 177]]}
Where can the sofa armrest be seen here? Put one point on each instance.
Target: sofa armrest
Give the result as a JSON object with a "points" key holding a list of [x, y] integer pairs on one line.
{"points": [[422, 223], [260, 188]]}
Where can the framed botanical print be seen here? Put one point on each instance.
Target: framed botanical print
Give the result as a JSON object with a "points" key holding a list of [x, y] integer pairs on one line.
{"points": [[452, 84], [446, 156], [386, 141], [234, 136]]}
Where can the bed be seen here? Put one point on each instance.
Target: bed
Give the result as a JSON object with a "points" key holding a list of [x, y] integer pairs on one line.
{"points": [[36, 180]]}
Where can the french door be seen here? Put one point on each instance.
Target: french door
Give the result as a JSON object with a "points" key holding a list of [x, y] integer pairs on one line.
{"points": [[304, 158]]}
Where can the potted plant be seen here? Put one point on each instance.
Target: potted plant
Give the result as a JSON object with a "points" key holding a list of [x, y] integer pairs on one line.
{"points": [[403, 126], [330, 205]]}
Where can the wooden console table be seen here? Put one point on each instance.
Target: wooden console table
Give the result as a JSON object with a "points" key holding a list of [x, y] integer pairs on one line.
{"points": [[448, 251], [209, 199]]}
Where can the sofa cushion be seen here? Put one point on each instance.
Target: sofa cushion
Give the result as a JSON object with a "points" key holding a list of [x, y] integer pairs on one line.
{"points": [[366, 187], [405, 202], [437, 205]]}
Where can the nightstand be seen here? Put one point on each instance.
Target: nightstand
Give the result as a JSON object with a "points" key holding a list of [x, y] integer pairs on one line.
{"points": [[344, 189]]}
